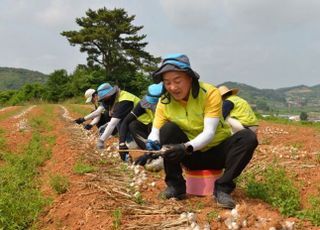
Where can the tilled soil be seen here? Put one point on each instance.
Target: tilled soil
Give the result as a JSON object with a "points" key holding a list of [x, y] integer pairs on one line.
{"points": [[121, 196]]}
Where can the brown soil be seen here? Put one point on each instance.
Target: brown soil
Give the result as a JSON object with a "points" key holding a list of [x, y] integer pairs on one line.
{"points": [[94, 199]]}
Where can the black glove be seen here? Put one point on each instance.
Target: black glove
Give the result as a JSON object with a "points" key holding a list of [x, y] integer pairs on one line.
{"points": [[176, 152], [79, 120], [145, 158], [123, 154], [87, 126]]}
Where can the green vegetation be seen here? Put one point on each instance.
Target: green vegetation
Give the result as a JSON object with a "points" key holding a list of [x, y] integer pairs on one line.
{"points": [[2, 143], [112, 42], [212, 216], [293, 100], [137, 197], [285, 121], [312, 213], [275, 188], [11, 113], [59, 183], [82, 168], [117, 215], [42, 123], [20, 199], [73, 108], [303, 116], [115, 54], [14, 78]]}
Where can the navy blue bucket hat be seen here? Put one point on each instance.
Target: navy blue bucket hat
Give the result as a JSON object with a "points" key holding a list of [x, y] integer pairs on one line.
{"points": [[174, 62]]}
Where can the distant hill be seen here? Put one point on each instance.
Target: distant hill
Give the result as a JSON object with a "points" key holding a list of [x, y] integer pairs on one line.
{"points": [[14, 78], [291, 99]]}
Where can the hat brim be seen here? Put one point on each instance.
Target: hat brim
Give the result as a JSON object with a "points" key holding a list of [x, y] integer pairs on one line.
{"points": [[157, 75], [110, 93], [146, 104], [234, 91], [89, 99]]}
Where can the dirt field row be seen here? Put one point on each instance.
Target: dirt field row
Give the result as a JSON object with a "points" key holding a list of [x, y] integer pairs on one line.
{"points": [[116, 195]]}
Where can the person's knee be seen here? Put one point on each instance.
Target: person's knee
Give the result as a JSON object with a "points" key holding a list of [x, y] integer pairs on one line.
{"points": [[132, 126], [252, 138], [168, 131], [168, 128], [247, 138]]}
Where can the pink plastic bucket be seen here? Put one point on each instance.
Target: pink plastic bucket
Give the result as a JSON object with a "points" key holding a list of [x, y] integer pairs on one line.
{"points": [[201, 182]]}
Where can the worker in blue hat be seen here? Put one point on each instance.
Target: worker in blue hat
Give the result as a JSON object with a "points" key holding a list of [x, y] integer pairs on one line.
{"points": [[191, 132], [138, 122], [119, 103]]}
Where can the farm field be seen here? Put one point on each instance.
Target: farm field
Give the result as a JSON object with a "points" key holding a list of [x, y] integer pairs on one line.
{"points": [[74, 186]]}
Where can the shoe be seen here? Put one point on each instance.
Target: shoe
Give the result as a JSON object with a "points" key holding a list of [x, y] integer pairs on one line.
{"points": [[100, 144], [126, 157], [171, 192], [224, 200]]}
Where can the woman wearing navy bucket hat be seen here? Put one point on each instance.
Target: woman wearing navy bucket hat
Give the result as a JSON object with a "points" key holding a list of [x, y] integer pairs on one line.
{"points": [[119, 103], [139, 121], [191, 132]]}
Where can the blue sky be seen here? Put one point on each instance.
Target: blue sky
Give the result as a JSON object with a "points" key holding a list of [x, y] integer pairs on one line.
{"points": [[262, 43]]}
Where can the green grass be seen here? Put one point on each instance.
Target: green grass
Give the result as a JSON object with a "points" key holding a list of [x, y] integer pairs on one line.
{"points": [[274, 187], [117, 215], [2, 141], [82, 168], [212, 216], [78, 109], [11, 113], [285, 121], [20, 198], [313, 213], [137, 197], [59, 183], [42, 122]]}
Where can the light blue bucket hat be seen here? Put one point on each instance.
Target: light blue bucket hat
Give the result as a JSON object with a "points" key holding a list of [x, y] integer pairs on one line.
{"points": [[106, 90], [174, 62], [150, 100]]}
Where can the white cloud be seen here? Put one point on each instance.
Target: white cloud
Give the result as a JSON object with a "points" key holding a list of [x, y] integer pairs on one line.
{"points": [[264, 43], [273, 14], [189, 13], [54, 14]]}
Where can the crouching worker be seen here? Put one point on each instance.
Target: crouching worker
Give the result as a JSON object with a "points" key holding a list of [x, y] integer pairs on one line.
{"points": [[119, 103], [99, 116], [138, 122], [236, 111], [188, 124]]}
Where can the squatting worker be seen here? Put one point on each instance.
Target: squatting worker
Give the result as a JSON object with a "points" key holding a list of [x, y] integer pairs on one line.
{"points": [[99, 116], [138, 122], [189, 126], [237, 111], [119, 103]]}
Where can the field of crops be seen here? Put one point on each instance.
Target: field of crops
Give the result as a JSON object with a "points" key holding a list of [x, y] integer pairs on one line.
{"points": [[52, 177]]}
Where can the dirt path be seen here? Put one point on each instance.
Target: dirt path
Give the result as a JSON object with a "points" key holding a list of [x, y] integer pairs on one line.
{"points": [[118, 196]]}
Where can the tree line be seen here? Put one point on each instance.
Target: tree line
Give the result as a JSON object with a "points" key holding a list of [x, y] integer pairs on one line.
{"points": [[115, 53]]}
